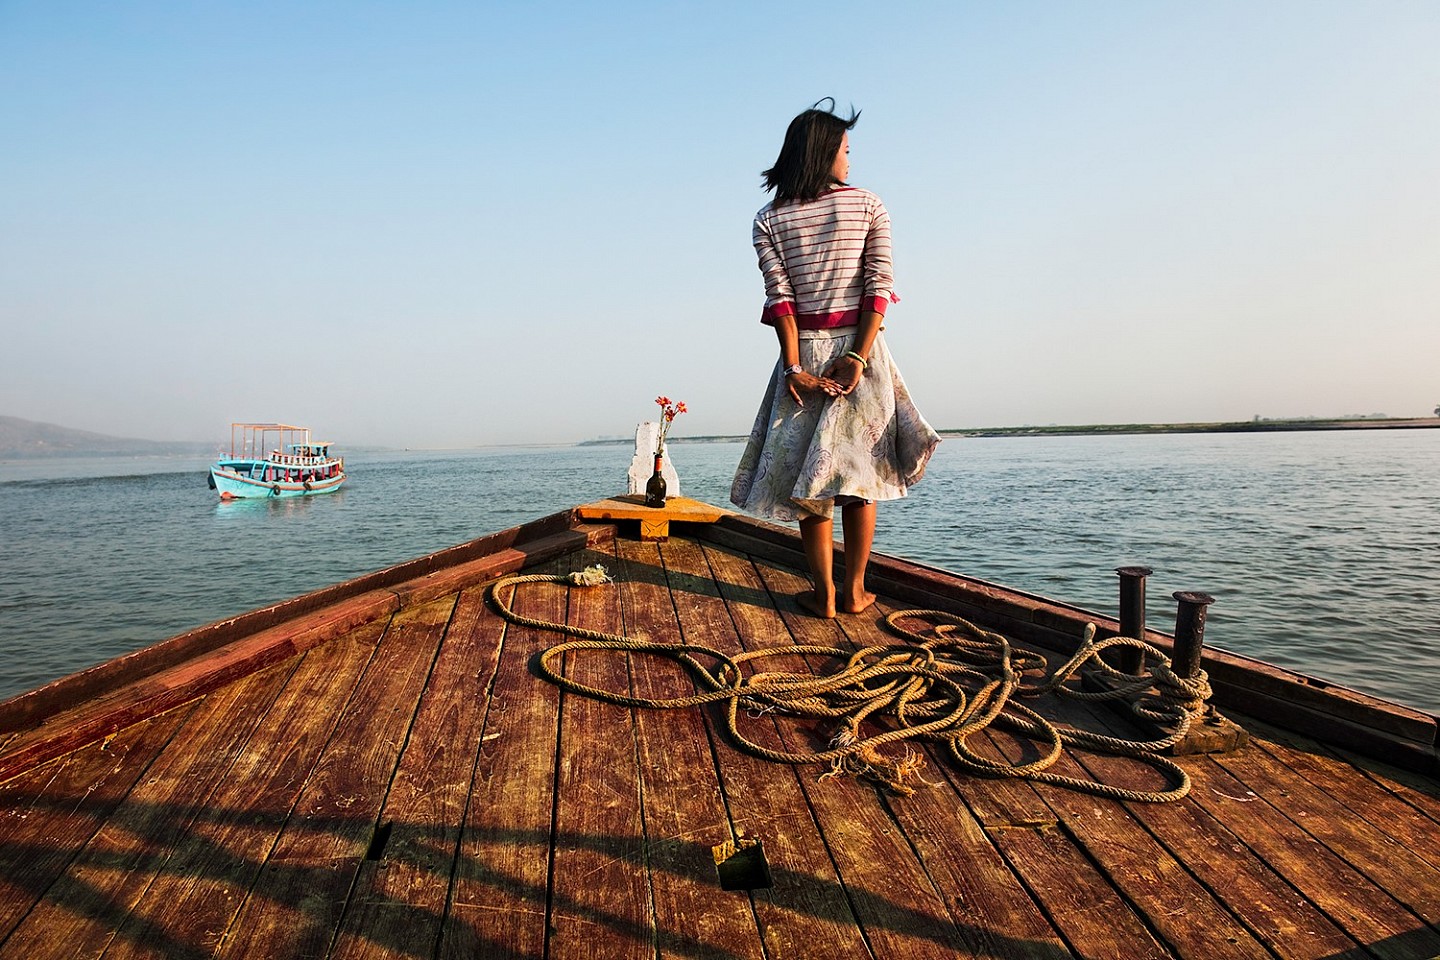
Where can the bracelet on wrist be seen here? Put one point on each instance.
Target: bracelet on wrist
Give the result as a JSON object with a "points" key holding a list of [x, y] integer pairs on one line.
{"points": [[855, 356]]}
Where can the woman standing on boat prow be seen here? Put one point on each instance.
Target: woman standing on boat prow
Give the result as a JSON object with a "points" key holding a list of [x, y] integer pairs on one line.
{"points": [[836, 425]]}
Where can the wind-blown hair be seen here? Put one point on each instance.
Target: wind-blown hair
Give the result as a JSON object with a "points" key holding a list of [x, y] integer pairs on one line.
{"points": [[802, 171]]}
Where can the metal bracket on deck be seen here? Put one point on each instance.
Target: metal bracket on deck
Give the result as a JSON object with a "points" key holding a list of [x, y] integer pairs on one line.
{"points": [[1210, 733], [741, 865]]}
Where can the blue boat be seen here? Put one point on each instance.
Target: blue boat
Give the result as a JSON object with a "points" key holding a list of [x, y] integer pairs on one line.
{"points": [[275, 460]]}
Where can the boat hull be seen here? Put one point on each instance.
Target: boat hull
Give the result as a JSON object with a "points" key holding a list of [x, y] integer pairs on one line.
{"points": [[274, 460], [232, 485], [448, 793], [402, 698]]}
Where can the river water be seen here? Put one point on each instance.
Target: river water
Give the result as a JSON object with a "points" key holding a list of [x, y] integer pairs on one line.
{"points": [[1322, 549]]}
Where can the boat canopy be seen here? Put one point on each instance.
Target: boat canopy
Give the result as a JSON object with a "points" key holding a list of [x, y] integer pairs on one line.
{"points": [[257, 440]]}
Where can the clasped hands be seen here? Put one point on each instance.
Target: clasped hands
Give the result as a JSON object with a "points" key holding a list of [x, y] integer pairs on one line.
{"points": [[840, 379]]}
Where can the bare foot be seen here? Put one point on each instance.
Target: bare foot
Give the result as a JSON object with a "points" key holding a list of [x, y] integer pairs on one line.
{"points": [[812, 605], [859, 605]]}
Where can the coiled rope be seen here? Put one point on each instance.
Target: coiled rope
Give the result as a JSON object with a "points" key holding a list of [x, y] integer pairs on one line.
{"points": [[946, 687]]}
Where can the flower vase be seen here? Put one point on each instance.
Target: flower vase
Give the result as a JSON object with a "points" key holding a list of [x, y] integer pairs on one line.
{"points": [[655, 489]]}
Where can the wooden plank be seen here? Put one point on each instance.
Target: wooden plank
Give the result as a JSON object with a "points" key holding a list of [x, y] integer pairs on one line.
{"points": [[1082, 903], [1190, 917], [994, 911], [1373, 850], [897, 577], [807, 911], [454, 578], [1259, 897], [186, 681], [654, 521], [1345, 895], [897, 905], [398, 903], [51, 812], [632, 507], [1391, 808], [600, 896], [295, 905], [71, 712], [1245, 679], [499, 893], [211, 868], [527, 542], [84, 908], [985, 604], [100, 682], [1418, 790], [1093, 917], [685, 813], [1342, 718]]}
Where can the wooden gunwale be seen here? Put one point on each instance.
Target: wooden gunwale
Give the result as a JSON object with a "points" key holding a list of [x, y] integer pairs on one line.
{"points": [[380, 773], [74, 710], [19, 711]]}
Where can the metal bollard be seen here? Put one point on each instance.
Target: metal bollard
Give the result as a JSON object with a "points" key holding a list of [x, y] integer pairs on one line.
{"points": [[1189, 632], [1132, 616]]}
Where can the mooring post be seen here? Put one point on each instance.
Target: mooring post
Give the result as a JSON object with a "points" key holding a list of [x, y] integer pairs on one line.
{"points": [[1211, 733], [1189, 632], [1132, 616]]}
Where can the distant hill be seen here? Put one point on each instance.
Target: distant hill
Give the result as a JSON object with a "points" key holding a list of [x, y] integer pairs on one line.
{"points": [[29, 440]]}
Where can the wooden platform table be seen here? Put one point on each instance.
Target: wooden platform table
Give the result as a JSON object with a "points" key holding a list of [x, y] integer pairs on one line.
{"points": [[654, 521]]}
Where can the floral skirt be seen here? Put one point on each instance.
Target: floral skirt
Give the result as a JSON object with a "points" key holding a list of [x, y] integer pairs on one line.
{"points": [[872, 444]]}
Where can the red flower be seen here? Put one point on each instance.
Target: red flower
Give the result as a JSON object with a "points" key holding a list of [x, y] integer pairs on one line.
{"points": [[669, 410]]}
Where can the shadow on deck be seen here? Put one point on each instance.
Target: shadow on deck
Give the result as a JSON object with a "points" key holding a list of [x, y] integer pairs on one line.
{"points": [[409, 788]]}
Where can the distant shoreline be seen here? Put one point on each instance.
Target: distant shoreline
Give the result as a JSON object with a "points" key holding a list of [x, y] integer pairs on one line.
{"points": [[80, 445], [1121, 429], [1240, 426]]}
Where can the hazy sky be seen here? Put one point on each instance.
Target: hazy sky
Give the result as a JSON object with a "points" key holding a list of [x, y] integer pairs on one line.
{"points": [[450, 224]]}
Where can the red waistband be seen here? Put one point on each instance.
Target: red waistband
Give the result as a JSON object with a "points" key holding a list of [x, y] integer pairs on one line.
{"points": [[823, 321]]}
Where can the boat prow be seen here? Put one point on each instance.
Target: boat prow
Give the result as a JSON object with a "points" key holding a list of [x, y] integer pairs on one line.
{"points": [[379, 768]]}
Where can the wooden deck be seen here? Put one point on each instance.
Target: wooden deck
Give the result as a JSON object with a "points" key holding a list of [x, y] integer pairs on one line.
{"points": [[404, 786]]}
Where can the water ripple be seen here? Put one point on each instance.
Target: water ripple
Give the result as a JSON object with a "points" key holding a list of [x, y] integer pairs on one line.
{"points": [[1322, 549]]}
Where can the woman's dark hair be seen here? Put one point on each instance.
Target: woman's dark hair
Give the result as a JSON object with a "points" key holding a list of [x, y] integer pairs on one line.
{"points": [[802, 171]]}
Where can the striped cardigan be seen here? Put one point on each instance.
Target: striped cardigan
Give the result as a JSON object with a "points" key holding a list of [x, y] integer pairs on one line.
{"points": [[825, 260]]}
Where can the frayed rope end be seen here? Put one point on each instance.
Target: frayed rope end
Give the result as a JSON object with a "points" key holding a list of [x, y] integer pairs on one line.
{"points": [[868, 763], [592, 576]]}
